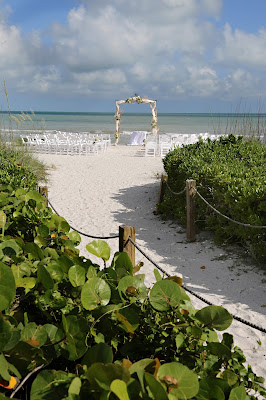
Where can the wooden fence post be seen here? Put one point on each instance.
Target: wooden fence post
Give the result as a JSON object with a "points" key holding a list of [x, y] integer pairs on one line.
{"points": [[44, 190], [125, 245], [191, 210], [162, 188]]}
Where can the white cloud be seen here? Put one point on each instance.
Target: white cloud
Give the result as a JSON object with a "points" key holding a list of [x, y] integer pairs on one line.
{"points": [[242, 48], [110, 48]]}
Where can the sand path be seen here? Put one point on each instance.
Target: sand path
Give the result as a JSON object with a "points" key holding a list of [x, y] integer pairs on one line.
{"points": [[96, 194]]}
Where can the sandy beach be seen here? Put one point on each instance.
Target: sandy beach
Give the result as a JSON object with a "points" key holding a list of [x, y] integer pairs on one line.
{"points": [[96, 194]]}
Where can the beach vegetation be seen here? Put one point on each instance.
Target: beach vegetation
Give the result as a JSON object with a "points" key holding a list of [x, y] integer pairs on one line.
{"points": [[70, 329], [230, 174]]}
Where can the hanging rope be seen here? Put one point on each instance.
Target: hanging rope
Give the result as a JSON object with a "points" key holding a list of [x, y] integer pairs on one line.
{"points": [[191, 291], [176, 193], [228, 218], [76, 230]]}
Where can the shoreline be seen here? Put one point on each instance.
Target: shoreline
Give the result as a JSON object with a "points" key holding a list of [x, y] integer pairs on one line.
{"points": [[96, 194]]}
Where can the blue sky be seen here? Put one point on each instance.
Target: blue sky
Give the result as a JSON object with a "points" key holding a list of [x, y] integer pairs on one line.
{"points": [[82, 55]]}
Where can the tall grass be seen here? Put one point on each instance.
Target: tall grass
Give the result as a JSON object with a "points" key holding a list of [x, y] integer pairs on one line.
{"points": [[252, 126], [14, 150]]}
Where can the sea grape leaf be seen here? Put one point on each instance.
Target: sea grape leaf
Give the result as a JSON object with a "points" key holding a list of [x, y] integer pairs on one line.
{"points": [[179, 340], [27, 283], [165, 295], [34, 250], [183, 382], [157, 275], [98, 353], [40, 241], [132, 286], [54, 333], [2, 219], [155, 387], [215, 317], [129, 319], [7, 287], [122, 260], [75, 237], [219, 349], [145, 365], [75, 386], [119, 388], [76, 275], [33, 195], [55, 271], [43, 231], [4, 368], [92, 272], [44, 277], [9, 248], [209, 390], [95, 292], [33, 334], [5, 332], [176, 279], [76, 330], [49, 384], [100, 375], [99, 248], [230, 377], [238, 393]]}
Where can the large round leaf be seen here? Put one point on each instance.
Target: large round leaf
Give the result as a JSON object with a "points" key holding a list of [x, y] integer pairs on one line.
{"points": [[95, 292], [119, 388], [76, 330], [99, 248], [98, 353], [75, 237], [182, 381], [132, 286], [165, 295], [215, 317], [155, 387], [100, 375], [76, 275], [50, 385], [7, 286], [33, 334], [2, 219], [122, 260]]}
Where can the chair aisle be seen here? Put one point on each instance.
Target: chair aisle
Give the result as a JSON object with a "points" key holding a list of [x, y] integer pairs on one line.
{"points": [[160, 145], [67, 143]]}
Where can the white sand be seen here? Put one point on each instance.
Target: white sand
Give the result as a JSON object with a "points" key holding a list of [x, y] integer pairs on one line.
{"points": [[96, 194]]}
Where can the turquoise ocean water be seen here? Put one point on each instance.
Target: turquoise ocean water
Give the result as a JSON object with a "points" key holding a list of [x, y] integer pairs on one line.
{"points": [[40, 122]]}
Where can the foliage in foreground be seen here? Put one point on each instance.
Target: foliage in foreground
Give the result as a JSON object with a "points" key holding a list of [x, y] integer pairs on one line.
{"points": [[95, 333], [20, 168], [230, 175]]}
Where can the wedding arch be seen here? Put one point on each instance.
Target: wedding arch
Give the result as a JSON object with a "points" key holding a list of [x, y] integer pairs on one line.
{"points": [[139, 100]]}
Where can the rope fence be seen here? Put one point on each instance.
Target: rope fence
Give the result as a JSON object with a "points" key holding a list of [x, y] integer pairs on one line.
{"points": [[126, 237], [191, 191], [76, 230], [191, 291]]}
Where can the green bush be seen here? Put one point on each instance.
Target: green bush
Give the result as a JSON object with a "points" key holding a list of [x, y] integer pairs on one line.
{"points": [[230, 175]]}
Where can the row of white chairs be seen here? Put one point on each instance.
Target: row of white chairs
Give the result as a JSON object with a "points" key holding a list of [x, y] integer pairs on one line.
{"points": [[67, 143], [160, 145]]}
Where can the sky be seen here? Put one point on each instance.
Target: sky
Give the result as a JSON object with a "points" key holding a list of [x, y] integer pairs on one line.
{"points": [[82, 55]]}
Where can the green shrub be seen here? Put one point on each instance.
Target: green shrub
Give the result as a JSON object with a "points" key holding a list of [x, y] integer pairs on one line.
{"points": [[100, 333], [230, 175], [14, 157]]}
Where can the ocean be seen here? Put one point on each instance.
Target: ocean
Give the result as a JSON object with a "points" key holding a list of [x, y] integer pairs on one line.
{"points": [[189, 123]]}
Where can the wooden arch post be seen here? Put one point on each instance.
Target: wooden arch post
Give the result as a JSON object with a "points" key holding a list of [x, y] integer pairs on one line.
{"points": [[139, 100]]}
